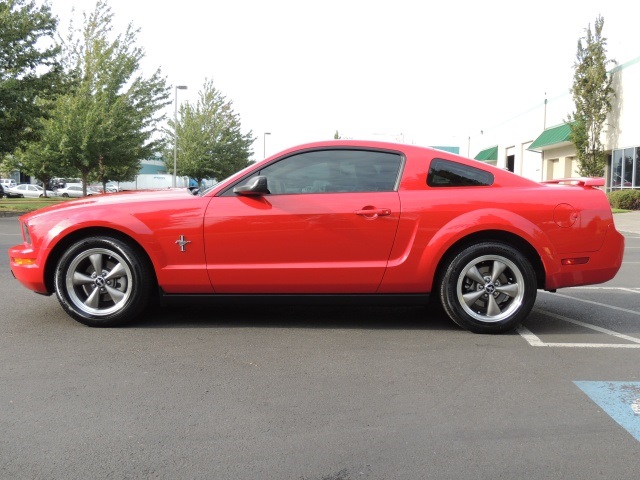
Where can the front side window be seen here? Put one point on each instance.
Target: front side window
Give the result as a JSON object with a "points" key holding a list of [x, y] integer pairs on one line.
{"points": [[445, 173], [333, 171]]}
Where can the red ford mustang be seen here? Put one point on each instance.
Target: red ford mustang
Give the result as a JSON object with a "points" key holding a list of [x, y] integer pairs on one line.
{"points": [[328, 222]]}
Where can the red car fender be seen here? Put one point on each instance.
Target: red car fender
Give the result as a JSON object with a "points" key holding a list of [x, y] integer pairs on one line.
{"points": [[123, 223], [46, 237], [424, 268], [157, 232]]}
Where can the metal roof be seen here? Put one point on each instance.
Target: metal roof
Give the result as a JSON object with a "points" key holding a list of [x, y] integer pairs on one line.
{"points": [[488, 154], [552, 136], [455, 150]]}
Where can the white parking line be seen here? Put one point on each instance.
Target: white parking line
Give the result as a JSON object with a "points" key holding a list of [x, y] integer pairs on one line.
{"points": [[612, 307], [624, 289], [535, 341]]}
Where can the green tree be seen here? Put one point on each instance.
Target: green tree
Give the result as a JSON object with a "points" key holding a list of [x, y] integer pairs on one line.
{"points": [[592, 93], [42, 159], [30, 73], [107, 121], [210, 141]]}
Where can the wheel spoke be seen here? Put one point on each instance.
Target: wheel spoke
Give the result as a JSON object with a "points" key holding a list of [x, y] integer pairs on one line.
{"points": [[475, 275], [512, 289], [493, 309], [498, 268], [115, 294], [116, 272], [81, 279], [93, 301], [96, 261], [471, 298]]}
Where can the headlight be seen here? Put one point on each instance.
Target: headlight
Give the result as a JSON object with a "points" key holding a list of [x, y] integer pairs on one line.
{"points": [[25, 233]]}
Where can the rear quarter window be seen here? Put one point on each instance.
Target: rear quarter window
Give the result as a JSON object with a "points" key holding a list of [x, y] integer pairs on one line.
{"points": [[445, 173]]}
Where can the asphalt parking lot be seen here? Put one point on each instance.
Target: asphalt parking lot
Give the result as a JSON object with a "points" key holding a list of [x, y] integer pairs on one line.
{"points": [[326, 393]]}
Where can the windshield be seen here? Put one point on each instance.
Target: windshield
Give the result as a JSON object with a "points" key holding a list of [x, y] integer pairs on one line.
{"points": [[240, 172], [208, 189]]}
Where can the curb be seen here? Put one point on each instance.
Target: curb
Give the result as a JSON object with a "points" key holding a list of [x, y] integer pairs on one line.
{"points": [[11, 214]]}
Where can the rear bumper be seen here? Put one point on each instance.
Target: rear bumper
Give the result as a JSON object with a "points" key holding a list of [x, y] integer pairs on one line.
{"points": [[601, 266]]}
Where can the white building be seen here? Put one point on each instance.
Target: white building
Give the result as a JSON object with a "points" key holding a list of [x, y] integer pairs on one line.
{"points": [[536, 144]]}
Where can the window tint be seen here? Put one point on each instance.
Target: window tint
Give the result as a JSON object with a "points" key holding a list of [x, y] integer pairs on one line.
{"points": [[445, 173], [333, 171]]}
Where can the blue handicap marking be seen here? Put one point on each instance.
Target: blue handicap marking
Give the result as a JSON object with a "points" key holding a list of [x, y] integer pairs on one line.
{"points": [[621, 401]]}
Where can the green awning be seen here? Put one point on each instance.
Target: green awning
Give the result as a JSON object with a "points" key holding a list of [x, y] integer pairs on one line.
{"points": [[455, 150], [488, 154], [552, 136]]}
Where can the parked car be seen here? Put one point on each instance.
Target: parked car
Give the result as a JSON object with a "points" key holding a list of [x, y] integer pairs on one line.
{"points": [[7, 182], [111, 187], [28, 190], [6, 192], [337, 221], [75, 190], [56, 183]]}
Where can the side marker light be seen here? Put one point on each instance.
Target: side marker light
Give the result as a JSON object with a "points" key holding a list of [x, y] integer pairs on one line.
{"points": [[24, 261], [575, 261]]}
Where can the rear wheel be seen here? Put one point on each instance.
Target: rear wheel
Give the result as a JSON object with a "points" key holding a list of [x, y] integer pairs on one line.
{"points": [[488, 288], [103, 282]]}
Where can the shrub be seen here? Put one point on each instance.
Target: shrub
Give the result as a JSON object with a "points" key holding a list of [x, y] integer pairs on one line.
{"points": [[625, 199]]}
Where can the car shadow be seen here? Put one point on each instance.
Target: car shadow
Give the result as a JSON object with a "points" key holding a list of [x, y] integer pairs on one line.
{"points": [[430, 317]]}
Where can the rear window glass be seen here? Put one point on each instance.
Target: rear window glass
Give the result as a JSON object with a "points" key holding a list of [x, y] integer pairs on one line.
{"points": [[445, 173]]}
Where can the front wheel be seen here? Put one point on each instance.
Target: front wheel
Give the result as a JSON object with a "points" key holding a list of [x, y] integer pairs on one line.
{"points": [[488, 288], [103, 282]]}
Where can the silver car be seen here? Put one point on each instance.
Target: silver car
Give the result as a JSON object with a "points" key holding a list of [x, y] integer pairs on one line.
{"points": [[73, 190], [28, 190]]}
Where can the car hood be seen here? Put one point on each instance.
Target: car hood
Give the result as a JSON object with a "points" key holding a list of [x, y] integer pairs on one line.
{"points": [[131, 201]]}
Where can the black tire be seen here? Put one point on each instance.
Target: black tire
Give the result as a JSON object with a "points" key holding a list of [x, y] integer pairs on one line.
{"points": [[103, 282], [65, 194], [488, 288]]}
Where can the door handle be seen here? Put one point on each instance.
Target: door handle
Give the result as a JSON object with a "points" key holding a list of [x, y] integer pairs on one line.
{"points": [[372, 213]]}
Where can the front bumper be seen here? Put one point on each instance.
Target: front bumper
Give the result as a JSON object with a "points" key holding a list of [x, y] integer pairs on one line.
{"points": [[27, 266]]}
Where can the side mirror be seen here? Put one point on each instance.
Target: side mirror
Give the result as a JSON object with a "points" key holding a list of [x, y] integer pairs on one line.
{"points": [[257, 186]]}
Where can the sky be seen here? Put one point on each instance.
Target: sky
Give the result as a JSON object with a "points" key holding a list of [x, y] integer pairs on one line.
{"points": [[413, 71]]}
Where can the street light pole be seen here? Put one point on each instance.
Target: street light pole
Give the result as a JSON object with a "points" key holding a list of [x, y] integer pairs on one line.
{"points": [[175, 132], [264, 144]]}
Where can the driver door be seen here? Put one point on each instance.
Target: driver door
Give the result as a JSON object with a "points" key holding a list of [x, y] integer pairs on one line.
{"points": [[325, 224]]}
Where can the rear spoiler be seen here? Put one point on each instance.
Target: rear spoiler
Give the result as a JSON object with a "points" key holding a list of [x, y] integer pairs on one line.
{"points": [[581, 182]]}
